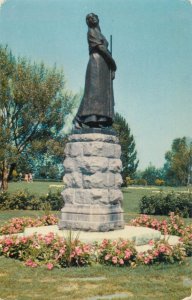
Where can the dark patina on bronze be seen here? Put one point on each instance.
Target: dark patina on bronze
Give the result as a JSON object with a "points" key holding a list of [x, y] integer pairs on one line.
{"points": [[97, 106]]}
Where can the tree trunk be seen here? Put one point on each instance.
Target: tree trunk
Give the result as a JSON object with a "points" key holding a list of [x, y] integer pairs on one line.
{"points": [[4, 183], [12, 167]]}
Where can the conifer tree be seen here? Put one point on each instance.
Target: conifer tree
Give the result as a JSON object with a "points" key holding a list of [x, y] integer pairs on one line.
{"points": [[127, 142]]}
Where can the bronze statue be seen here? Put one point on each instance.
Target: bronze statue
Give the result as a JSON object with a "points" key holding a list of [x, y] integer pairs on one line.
{"points": [[97, 106]]}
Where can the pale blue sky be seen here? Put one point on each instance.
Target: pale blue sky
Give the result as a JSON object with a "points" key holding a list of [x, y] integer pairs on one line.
{"points": [[152, 46]]}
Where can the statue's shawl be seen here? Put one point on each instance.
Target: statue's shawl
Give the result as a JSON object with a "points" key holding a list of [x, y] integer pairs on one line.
{"points": [[94, 38]]}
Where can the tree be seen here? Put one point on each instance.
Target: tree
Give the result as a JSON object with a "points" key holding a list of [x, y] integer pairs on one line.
{"points": [[126, 139], [151, 174], [33, 107], [178, 166]]}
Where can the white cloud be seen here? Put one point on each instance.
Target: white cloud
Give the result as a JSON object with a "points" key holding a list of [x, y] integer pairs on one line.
{"points": [[2, 2]]}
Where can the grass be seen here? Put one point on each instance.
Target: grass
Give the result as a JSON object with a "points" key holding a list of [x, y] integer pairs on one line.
{"points": [[36, 187], [132, 197], [162, 282]]}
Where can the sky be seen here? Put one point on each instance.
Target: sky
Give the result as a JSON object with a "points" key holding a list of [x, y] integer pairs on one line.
{"points": [[152, 47]]}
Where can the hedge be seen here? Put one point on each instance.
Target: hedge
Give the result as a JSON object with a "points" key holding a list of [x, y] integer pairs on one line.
{"points": [[163, 204]]}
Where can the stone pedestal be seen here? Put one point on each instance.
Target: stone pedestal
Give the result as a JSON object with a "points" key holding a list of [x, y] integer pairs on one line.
{"points": [[92, 195]]}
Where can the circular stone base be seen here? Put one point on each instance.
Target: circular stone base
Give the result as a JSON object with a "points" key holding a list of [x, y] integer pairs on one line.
{"points": [[140, 235]]}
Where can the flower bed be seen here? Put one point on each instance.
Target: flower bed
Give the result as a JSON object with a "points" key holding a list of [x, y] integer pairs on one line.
{"points": [[173, 226], [16, 225], [49, 250], [162, 252], [53, 251], [120, 252]]}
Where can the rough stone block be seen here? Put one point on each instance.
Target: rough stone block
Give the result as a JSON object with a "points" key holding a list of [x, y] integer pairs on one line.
{"points": [[117, 152], [115, 196], [92, 164], [73, 180], [100, 196], [103, 149], [86, 165], [118, 180], [91, 196], [99, 180], [109, 150], [74, 149], [82, 196], [94, 137], [93, 148], [68, 195], [115, 165], [70, 165]]}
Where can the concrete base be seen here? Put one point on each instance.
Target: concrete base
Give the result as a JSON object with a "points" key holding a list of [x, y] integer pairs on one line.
{"points": [[140, 235], [91, 217]]}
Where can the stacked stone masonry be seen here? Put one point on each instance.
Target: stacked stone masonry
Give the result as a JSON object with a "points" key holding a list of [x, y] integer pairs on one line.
{"points": [[92, 195]]}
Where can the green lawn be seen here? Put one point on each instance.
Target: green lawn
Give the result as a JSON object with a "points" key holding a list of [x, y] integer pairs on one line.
{"points": [[35, 187], [132, 197], [162, 282]]}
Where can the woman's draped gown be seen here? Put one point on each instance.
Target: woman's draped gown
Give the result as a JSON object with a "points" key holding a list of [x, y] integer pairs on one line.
{"points": [[97, 105]]}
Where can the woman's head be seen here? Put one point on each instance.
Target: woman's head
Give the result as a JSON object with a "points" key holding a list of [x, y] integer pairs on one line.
{"points": [[92, 20]]}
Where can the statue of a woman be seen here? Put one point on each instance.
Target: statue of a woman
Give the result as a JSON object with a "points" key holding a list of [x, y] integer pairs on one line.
{"points": [[97, 105]]}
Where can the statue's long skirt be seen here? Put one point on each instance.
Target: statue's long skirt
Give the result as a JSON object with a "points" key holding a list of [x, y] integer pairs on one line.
{"points": [[98, 101]]}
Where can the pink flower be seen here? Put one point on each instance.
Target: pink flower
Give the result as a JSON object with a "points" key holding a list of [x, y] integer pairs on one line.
{"points": [[146, 260], [156, 253], [62, 251], [8, 242], [164, 222], [107, 256], [78, 251], [151, 243], [114, 259], [121, 261], [6, 249], [162, 248], [24, 240], [50, 266], [31, 263], [128, 254], [86, 248], [48, 240]]}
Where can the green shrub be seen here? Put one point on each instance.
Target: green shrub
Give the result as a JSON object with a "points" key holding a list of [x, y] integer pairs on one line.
{"points": [[4, 196], [129, 181], [163, 204], [19, 200], [24, 200], [54, 199], [141, 181], [159, 182]]}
